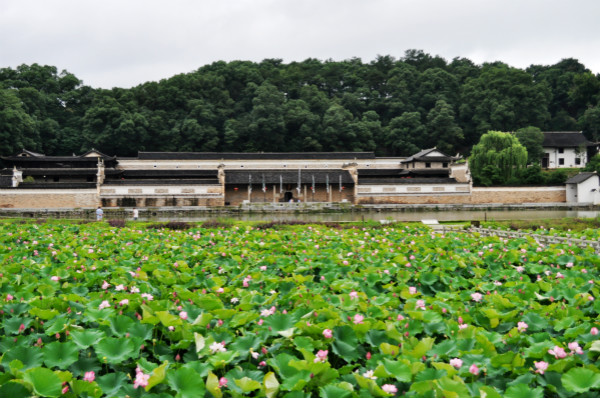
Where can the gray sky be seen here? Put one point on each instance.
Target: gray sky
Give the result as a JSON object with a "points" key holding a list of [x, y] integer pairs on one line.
{"points": [[123, 43]]}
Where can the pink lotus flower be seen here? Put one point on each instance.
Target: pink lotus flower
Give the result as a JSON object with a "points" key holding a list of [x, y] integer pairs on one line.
{"points": [[540, 367], [223, 382], [183, 315], [327, 333], [55, 278], [104, 304], [217, 347], [9, 297], [321, 356], [141, 379], [575, 348], [89, 376], [389, 388], [522, 326], [412, 290], [456, 362], [123, 302], [358, 318], [65, 390], [147, 296], [353, 295], [473, 369], [594, 331], [421, 304], [558, 352], [476, 296]]}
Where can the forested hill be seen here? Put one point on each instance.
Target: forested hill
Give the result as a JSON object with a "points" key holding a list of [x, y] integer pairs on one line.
{"points": [[390, 106]]}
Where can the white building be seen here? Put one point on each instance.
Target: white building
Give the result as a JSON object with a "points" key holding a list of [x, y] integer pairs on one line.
{"points": [[565, 149], [583, 188]]}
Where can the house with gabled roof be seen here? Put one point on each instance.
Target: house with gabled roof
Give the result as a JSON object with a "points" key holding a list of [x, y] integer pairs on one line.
{"points": [[583, 188], [566, 149]]}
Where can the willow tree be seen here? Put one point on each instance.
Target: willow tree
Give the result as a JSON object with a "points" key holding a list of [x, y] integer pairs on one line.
{"points": [[497, 153]]}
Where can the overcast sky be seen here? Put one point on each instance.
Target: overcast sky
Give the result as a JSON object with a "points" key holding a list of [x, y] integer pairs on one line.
{"points": [[123, 43]]}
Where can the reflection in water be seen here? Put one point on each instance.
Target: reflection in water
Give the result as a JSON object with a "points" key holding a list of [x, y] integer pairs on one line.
{"points": [[392, 215]]}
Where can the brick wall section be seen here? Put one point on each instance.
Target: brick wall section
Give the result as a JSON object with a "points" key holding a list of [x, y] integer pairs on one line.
{"points": [[48, 198], [478, 196], [519, 195], [415, 199]]}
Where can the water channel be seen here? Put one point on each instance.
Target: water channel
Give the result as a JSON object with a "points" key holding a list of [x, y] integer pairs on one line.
{"points": [[449, 215]]}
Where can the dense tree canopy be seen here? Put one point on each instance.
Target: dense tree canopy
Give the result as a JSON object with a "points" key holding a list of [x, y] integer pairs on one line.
{"points": [[392, 106]]}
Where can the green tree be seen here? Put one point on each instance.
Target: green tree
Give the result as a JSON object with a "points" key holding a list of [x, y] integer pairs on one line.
{"points": [[532, 138], [17, 128], [402, 134], [500, 150], [589, 123], [442, 131]]}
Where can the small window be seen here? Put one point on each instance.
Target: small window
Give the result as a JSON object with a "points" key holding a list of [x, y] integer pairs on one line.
{"points": [[445, 164], [561, 162], [577, 161], [428, 165], [561, 150]]}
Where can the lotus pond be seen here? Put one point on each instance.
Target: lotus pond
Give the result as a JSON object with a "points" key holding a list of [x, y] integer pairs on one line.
{"points": [[90, 310]]}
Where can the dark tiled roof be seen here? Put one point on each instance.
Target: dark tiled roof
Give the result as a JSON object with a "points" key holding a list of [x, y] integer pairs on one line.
{"points": [[163, 173], [195, 181], [424, 156], [581, 177], [373, 174], [407, 180], [569, 139], [26, 156], [381, 172], [288, 176], [57, 185], [254, 155], [59, 172]]}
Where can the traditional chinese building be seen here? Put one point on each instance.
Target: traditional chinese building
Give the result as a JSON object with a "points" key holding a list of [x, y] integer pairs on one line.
{"points": [[157, 179]]}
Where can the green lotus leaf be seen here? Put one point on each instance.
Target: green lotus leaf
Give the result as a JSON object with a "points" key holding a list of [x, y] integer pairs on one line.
{"points": [[113, 350], [523, 390], [86, 338], [247, 385], [45, 314], [345, 342], [44, 382], [15, 325], [121, 325], [111, 383], [186, 381], [60, 355], [14, 390], [157, 375], [279, 322], [333, 391], [85, 388], [29, 357], [580, 380], [168, 319], [270, 385], [209, 302], [400, 371], [212, 385]]}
